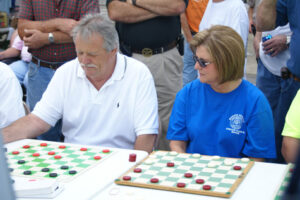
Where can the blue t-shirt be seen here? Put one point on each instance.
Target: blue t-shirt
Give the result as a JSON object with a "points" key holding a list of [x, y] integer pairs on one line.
{"points": [[289, 11], [234, 124]]}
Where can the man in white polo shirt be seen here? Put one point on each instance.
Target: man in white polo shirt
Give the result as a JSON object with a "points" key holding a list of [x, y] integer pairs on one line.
{"points": [[103, 97], [11, 106]]}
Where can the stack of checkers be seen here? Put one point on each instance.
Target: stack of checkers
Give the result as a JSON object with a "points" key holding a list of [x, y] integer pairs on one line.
{"points": [[284, 183], [54, 160], [189, 173]]}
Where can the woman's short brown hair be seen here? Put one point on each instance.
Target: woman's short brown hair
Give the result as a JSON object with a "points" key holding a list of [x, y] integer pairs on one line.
{"points": [[226, 49]]}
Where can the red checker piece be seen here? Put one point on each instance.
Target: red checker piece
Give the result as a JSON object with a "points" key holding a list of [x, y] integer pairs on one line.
{"points": [[51, 153], [57, 157], [26, 147], [36, 154], [83, 149], [237, 167], [200, 181], [170, 164], [97, 157], [43, 144], [105, 150], [137, 170], [15, 152], [206, 187], [132, 157], [154, 180], [188, 175], [62, 147], [126, 178], [181, 185]]}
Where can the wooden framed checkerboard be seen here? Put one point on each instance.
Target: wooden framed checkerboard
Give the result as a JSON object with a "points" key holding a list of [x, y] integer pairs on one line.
{"points": [[188, 173]]}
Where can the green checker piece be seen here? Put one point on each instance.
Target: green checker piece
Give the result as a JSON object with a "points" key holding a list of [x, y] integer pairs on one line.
{"points": [[225, 185], [73, 155], [228, 176], [82, 165], [38, 160], [43, 165], [215, 179], [25, 167]]}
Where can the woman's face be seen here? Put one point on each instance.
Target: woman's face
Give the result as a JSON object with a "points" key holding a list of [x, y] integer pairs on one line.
{"points": [[208, 74]]}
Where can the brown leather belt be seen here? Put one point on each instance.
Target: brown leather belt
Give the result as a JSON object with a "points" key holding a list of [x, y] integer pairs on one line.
{"points": [[147, 52], [286, 74], [53, 66]]}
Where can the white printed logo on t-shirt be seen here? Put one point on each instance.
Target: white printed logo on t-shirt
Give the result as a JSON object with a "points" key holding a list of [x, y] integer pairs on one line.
{"points": [[236, 122]]}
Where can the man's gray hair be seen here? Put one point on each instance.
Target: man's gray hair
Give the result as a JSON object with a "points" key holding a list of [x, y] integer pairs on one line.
{"points": [[99, 24]]}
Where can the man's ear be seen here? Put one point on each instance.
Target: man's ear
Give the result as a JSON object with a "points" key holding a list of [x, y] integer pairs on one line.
{"points": [[114, 51]]}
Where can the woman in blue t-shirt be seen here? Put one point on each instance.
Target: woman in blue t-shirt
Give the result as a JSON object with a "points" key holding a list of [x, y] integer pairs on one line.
{"points": [[221, 114]]}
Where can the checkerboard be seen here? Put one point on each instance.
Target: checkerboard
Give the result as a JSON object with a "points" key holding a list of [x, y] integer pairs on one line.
{"points": [[189, 173], [285, 181], [38, 155]]}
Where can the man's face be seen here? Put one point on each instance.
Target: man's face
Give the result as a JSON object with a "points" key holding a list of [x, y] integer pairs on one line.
{"points": [[94, 59]]}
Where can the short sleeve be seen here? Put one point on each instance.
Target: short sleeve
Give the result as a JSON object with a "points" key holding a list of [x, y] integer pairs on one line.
{"points": [[146, 108], [50, 107], [292, 120], [260, 140], [177, 129], [281, 13]]}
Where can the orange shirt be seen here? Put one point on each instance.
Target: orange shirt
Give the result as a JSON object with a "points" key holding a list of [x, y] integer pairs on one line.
{"points": [[194, 13]]}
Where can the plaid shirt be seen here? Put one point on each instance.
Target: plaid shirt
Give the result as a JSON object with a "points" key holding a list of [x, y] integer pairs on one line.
{"points": [[42, 10]]}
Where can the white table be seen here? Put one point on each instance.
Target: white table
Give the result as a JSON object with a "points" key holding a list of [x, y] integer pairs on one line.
{"points": [[87, 185], [261, 183]]}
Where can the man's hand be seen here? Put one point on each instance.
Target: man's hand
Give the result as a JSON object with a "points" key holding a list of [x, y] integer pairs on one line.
{"points": [[66, 25], [275, 45], [35, 39]]}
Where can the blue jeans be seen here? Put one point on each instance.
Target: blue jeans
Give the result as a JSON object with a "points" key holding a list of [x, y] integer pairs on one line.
{"points": [[38, 79], [280, 94], [189, 73], [20, 68]]}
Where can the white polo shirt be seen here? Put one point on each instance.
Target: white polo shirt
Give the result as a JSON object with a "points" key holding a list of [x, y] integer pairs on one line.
{"points": [[124, 108], [11, 106]]}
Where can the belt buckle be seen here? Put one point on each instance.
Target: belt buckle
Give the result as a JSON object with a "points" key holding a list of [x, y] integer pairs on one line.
{"points": [[147, 52]]}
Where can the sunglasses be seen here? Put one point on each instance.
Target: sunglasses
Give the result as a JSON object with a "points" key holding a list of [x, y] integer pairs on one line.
{"points": [[203, 63]]}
